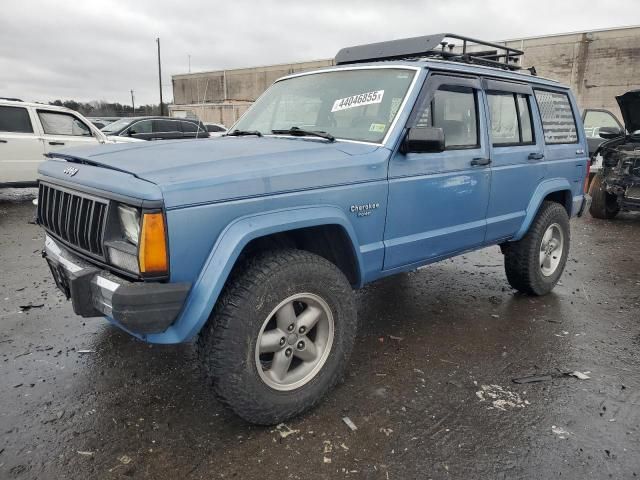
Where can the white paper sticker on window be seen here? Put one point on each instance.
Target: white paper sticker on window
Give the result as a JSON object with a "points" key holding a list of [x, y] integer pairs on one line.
{"points": [[357, 100]]}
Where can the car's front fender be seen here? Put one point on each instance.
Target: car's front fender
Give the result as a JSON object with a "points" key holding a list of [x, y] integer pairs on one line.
{"points": [[227, 249]]}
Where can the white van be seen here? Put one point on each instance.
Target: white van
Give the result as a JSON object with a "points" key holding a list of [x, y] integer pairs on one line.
{"points": [[30, 130]]}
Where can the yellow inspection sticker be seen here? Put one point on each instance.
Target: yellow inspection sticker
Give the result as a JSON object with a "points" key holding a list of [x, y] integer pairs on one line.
{"points": [[377, 127]]}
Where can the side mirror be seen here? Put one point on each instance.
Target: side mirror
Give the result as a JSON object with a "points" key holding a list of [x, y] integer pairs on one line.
{"points": [[131, 132], [609, 132], [423, 140]]}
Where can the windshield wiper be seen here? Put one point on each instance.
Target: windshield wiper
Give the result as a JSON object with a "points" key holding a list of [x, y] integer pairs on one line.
{"points": [[244, 133], [299, 132]]}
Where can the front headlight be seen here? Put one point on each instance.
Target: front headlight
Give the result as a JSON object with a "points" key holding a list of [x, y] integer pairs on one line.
{"points": [[140, 246], [130, 223]]}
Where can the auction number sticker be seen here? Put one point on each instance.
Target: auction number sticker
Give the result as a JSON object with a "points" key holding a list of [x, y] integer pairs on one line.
{"points": [[358, 100]]}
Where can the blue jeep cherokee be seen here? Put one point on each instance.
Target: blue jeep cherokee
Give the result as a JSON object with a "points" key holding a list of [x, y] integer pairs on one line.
{"points": [[403, 154]]}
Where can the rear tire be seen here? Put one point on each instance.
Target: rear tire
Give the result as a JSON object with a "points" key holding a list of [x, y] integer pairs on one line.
{"points": [[535, 263], [264, 370], [603, 204]]}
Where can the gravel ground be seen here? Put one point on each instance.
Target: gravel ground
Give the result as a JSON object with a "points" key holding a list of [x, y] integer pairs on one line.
{"points": [[430, 385]]}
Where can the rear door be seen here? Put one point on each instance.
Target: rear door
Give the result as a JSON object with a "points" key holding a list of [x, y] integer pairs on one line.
{"points": [[438, 201], [517, 156], [63, 129], [21, 148]]}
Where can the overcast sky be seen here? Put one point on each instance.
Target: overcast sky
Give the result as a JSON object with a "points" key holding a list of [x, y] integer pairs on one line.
{"points": [[101, 49]]}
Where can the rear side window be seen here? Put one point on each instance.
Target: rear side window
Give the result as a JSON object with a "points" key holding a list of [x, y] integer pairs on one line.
{"points": [[558, 122], [165, 126], [15, 119], [454, 109], [524, 113], [215, 128], [510, 119], [191, 127], [57, 123]]}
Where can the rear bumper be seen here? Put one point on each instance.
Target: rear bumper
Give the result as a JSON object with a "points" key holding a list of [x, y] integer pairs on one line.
{"points": [[138, 307]]}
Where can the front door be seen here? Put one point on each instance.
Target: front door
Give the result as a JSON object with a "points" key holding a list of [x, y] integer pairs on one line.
{"points": [[438, 201]]}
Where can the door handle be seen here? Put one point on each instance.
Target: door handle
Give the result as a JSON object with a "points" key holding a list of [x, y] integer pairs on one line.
{"points": [[478, 162], [536, 156], [2, 141], [56, 143]]}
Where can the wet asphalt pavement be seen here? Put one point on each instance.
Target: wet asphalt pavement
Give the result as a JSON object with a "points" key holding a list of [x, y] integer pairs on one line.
{"points": [[429, 386]]}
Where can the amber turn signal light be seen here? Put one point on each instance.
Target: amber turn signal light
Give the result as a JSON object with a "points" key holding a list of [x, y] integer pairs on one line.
{"points": [[152, 253]]}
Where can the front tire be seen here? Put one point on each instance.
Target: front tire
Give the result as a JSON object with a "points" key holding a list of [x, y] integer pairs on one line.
{"points": [[603, 204], [535, 263], [280, 337]]}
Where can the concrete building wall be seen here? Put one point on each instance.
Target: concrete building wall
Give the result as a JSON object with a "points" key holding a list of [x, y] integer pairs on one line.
{"points": [[598, 65], [223, 96]]}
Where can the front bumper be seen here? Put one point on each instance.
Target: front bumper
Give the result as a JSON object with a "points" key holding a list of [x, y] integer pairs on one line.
{"points": [[140, 308]]}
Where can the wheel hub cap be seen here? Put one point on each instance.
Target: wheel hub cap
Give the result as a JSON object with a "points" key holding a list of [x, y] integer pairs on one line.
{"points": [[551, 249], [294, 342]]}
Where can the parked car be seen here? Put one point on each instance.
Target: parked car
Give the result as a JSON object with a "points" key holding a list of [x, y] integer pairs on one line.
{"points": [[616, 186], [28, 131], [334, 178], [102, 122], [98, 123], [156, 128], [215, 129]]}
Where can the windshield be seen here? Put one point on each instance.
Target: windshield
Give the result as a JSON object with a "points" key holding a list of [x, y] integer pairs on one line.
{"points": [[116, 126], [349, 104]]}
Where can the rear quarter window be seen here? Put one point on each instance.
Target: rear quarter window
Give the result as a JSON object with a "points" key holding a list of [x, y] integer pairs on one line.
{"points": [[558, 120]]}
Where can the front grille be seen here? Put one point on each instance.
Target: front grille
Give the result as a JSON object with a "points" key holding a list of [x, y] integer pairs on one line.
{"points": [[74, 217]]}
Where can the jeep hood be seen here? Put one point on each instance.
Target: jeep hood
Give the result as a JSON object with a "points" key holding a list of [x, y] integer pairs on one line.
{"points": [[630, 107], [197, 171]]}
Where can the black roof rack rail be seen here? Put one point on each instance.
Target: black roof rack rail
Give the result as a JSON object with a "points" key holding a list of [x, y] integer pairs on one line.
{"points": [[9, 99], [434, 46]]}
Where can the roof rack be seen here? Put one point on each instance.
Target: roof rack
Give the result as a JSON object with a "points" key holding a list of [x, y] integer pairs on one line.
{"points": [[434, 46], [9, 99]]}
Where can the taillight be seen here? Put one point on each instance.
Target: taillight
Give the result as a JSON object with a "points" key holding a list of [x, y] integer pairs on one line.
{"points": [[586, 180]]}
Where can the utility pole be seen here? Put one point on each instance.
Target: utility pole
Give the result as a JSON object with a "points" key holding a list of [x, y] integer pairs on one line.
{"points": [[189, 63], [133, 103], [160, 78]]}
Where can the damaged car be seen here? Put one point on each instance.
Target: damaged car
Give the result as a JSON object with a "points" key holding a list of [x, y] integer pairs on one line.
{"points": [[617, 186]]}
